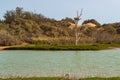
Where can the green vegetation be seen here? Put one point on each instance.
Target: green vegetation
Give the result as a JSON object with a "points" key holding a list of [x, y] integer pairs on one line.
{"points": [[19, 26], [66, 47], [113, 78]]}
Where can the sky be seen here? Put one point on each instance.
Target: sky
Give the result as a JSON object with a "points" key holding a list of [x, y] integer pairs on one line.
{"points": [[104, 11]]}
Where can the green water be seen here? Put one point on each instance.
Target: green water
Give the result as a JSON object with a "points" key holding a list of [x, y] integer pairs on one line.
{"points": [[28, 63]]}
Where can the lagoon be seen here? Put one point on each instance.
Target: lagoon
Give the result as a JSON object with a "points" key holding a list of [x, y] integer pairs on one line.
{"points": [[35, 63]]}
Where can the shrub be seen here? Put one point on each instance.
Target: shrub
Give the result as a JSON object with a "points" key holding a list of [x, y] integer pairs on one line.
{"points": [[7, 40]]}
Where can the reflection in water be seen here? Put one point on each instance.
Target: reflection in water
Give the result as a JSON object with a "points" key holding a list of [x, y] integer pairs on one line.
{"points": [[104, 63]]}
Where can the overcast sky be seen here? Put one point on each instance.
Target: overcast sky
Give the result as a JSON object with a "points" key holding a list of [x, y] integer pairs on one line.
{"points": [[104, 11]]}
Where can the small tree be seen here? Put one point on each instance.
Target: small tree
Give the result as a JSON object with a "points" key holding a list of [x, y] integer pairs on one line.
{"points": [[76, 29]]}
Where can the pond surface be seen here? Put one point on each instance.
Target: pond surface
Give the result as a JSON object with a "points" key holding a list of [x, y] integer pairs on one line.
{"points": [[28, 63]]}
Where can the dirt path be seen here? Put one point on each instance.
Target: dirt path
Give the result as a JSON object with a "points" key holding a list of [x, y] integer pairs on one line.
{"points": [[3, 47]]}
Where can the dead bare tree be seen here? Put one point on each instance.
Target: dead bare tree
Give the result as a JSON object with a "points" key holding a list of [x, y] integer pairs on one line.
{"points": [[76, 29]]}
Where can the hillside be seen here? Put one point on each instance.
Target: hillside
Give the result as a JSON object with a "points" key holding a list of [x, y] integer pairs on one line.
{"points": [[19, 26]]}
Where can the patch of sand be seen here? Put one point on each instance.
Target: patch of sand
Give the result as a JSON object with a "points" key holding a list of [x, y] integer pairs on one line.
{"points": [[3, 47]]}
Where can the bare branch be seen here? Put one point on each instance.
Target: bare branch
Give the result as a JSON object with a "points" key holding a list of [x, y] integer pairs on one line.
{"points": [[81, 13], [77, 14]]}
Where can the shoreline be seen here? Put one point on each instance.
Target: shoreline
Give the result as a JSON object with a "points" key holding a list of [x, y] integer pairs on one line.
{"points": [[62, 47], [62, 78], [4, 47]]}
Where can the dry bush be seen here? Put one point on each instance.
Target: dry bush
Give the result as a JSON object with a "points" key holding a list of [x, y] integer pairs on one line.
{"points": [[7, 40]]}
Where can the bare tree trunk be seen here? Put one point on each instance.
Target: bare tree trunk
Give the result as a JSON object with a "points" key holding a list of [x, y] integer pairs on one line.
{"points": [[76, 33], [76, 38], [76, 27]]}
